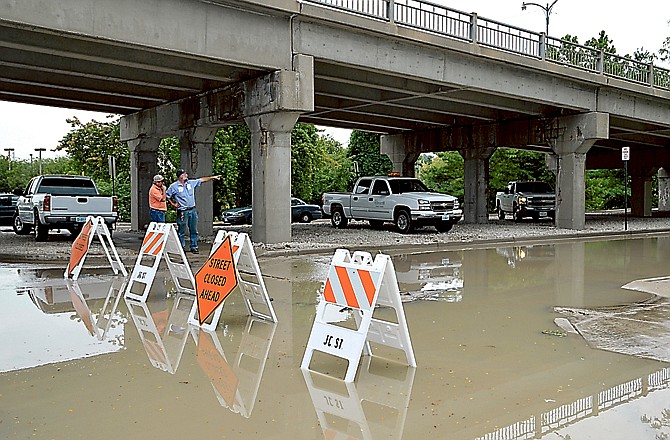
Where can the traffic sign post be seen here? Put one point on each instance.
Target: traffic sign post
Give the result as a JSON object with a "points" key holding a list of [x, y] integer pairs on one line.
{"points": [[357, 284], [160, 241], [214, 289], [92, 227], [625, 156]]}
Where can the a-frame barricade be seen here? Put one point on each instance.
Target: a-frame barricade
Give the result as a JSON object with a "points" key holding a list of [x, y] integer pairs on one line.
{"points": [[80, 247], [249, 281], [160, 241], [357, 284]]}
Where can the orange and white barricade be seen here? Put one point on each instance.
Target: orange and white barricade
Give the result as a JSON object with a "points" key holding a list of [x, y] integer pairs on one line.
{"points": [[160, 241], [97, 325], [81, 245], [356, 285], [248, 278]]}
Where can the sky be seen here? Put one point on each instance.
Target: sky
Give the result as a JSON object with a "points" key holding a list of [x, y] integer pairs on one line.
{"points": [[630, 25]]}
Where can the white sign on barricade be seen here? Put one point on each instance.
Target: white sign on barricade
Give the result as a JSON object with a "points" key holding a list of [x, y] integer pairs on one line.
{"points": [[160, 241], [81, 245], [357, 284], [251, 285], [164, 343]]}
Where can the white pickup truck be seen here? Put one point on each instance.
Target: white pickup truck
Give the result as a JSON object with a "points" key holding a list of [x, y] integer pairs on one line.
{"points": [[526, 199], [405, 201], [61, 202]]}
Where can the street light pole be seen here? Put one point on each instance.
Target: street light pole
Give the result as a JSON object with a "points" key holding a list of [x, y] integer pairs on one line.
{"points": [[39, 150], [547, 11], [9, 157]]}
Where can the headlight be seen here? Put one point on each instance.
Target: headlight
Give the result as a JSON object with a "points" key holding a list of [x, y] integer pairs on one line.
{"points": [[424, 205], [456, 204], [522, 200]]}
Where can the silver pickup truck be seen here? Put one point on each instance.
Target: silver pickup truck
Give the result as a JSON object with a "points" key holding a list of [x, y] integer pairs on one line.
{"points": [[405, 201], [61, 202], [526, 199]]}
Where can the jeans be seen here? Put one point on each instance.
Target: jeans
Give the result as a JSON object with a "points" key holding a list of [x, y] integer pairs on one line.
{"points": [[188, 217], [157, 215]]}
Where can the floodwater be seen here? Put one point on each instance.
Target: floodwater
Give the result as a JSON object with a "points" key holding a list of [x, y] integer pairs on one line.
{"points": [[78, 361]]}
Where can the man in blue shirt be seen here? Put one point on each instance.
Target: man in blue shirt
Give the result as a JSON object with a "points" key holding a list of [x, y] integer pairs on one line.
{"points": [[181, 195]]}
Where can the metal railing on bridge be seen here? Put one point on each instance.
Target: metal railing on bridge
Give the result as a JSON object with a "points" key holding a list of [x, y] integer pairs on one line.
{"points": [[437, 19]]}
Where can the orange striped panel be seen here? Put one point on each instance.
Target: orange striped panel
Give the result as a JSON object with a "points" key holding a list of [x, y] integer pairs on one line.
{"points": [[347, 288], [147, 238], [154, 351], [149, 249], [368, 284], [328, 294]]}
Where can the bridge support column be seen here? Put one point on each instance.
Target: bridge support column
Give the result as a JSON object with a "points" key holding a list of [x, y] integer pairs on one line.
{"points": [[577, 135], [143, 167], [271, 175], [476, 178], [196, 159], [395, 147], [663, 190], [640, 200]]}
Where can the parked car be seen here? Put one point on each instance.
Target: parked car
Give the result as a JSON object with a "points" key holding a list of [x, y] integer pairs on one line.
{"points": [[7, 208], [300, 212]]}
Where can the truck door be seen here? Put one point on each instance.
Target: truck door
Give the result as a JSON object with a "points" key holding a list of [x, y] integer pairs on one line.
{"points": [[359, 200], [380, 205], [24, 204]]}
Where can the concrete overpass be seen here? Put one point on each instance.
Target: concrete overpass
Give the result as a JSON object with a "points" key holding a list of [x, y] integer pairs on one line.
{"points": [[428, 77]]}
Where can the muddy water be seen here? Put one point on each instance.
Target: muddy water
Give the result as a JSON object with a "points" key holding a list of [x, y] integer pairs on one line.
{"points": [[78, 361]]}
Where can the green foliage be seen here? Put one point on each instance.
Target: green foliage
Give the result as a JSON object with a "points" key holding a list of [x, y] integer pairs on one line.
{"points": [[444, 173], [364, 149], [334, 167], [232, 159], [605, 189]]}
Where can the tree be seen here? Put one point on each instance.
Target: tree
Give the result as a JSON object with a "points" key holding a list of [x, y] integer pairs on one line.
{"points": [[364, 149]]}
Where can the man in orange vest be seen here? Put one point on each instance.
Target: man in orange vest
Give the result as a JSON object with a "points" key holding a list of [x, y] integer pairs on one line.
{"points": [[157, 200]]}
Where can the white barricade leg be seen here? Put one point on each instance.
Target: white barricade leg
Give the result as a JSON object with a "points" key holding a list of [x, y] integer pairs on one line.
{"points": [[108, 245], [149, 334], [110, 306]]}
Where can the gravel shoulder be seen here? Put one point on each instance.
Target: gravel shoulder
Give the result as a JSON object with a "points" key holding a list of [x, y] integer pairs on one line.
{"points": [[320, 237]]}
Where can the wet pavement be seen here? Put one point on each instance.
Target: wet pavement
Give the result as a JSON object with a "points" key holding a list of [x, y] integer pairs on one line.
{"points": [[79, 361]]}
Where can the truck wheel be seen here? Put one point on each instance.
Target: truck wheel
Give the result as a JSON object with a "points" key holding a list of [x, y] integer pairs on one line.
{"points": [[41, 231], [338, 218], [403, 221], [19, 227], [444, 226], [501, 213], [376, 224]]}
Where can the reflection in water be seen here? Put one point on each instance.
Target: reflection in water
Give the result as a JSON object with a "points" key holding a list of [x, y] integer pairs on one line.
{"points": [[422, 278], [373, 407], [535, 254], [164, 336], [236, 386], [70, 312]]}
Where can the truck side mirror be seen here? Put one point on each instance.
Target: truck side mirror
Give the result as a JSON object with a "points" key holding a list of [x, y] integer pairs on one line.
{"points": [[18, 192]]}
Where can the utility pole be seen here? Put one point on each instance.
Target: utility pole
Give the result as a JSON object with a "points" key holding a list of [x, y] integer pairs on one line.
{"points": [[39, 150], [547, 11]]}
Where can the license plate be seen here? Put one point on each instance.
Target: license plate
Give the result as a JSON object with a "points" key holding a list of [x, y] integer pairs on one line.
{"points": [[543, 214], [80, 219], [445, 216]]}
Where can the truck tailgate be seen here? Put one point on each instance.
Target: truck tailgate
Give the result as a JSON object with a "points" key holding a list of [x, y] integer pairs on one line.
{"points": [[81, 205]]}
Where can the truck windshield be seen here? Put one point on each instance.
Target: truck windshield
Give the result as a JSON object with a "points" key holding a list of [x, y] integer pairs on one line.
{"points": [[407, 185], [67, 187], [534, 187]]}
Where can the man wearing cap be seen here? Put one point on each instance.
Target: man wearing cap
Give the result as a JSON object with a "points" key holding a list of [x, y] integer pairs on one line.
{"points": [[157, 200], [181, 195]]}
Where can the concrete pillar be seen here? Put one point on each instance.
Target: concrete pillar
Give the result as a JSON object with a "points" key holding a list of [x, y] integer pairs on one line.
{"points": [[663, 190], [196, 159], [394, 147], [640, 197], [577, 135], [271, 175], [143, 167], [476, 178]]}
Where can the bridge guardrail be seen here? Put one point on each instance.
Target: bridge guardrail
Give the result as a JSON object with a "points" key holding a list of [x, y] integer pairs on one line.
{"points": [[434, 18]]}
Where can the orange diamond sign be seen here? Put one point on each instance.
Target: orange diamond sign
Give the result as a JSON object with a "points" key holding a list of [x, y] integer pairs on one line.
{"points": [[215, 280], [80, 246]]}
